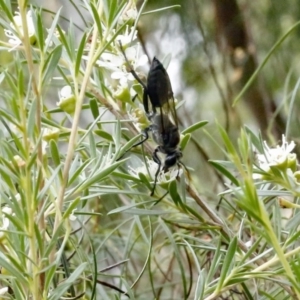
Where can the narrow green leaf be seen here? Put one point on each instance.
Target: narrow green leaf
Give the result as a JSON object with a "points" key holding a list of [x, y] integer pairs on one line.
{"points": [[200, 285], [145, 180], [94, 109], [126, 207], [94, 265], [53, 243], [65, 285], [55, 155], [48, 184], [100, 175], [146, 212], [117, 134], [227, 141], [79, 54], [13, 84], [127, 147], [96, 18], [71, 40], [71, 207], [113, 5], [79, 170], [10, 265], [93, 147], [256, 141], [50, 276], [228, 263], [21, 91], [40, 30], [215, 263], [225, 172], [269, 54], [7, 11], [39, 239], [52, 29], [194, 127], [128, 289], [184, 141], [62, 37], [31, 123], [127, 177], [173, 192], [161, 9], [177, 255], [51, 64], [104, 134], [9, 117]]}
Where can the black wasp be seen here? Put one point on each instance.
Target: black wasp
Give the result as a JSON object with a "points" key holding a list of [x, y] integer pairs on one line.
{"points": [[164, 130]]}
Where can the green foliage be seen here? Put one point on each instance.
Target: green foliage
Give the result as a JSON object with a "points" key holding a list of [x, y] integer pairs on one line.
{"points": [[77, 220]]}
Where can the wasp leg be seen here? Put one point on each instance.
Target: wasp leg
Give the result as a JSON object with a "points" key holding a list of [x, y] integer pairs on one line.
{"points": [[158, 161], [134, 97], [145, 138], [145, 133], [145, 102]]}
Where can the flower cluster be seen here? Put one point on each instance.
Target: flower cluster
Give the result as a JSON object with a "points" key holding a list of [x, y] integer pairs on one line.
{"points": [[150, 168], [278, 159], [117, 76], [139, 119], [16, 34], [119, 79]]}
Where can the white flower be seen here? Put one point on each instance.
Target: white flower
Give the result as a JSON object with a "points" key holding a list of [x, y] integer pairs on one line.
{"points": [[12, 39], [5, 221], [3, 290], [65, 92], [18, 197], [111, 61], [276, 156], [116, 62], [7, 210], [132, 54], [19, 161], [163, 177], [128, 36], [125, 77], [72, 216], [120, 79], [249, 244], [18, 28], [129, 14]]}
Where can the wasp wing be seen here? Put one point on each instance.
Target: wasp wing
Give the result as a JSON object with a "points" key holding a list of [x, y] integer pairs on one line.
{"points": [[160, 92]]}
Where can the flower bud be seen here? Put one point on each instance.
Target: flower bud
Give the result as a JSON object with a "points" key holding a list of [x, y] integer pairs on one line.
{"points": [[122, 93], [50, 134], [140, 118], [67, 100]]}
